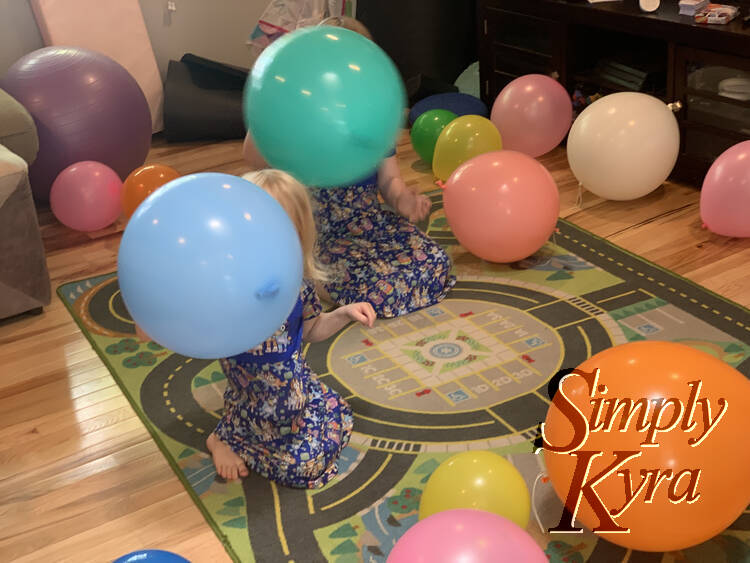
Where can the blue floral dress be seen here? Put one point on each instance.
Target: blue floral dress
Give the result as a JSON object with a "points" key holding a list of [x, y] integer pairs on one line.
{"points": [[375, 255], [278, 417]]}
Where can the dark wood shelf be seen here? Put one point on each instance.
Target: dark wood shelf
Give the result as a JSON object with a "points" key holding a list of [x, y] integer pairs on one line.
{"points": [[571, 38], [608, 87], [626, 16]]}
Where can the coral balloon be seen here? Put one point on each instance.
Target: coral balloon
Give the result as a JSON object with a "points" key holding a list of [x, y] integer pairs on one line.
{"points": [[324, 104], [533, 114], [85, 196], [502, 206], [142, 182], [463, 139], [479, 480], [426, 131], [676, 418], [725, 197], [624, 146], [466, 536]]}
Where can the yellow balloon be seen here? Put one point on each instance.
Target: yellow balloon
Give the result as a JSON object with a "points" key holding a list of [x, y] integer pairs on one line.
{"points": [[462, 139], [480, 480]]}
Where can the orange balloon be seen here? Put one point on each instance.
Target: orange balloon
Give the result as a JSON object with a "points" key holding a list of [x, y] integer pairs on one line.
{"points": [[698, 477], [142, 182]]}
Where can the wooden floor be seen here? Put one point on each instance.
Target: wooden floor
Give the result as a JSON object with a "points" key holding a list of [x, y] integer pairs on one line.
{"points": [[80, 478]]}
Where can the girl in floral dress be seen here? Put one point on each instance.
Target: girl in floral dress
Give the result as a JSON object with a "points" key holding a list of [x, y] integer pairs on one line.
{"points": [[279, 420], [374, 254], [377, 255]]}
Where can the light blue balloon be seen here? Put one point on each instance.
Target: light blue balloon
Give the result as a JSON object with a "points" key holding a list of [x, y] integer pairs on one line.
{"points": [[210, 265], [151, 556], [324, 104]]}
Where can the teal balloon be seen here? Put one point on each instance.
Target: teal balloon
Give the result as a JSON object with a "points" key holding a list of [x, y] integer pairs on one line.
{"points": [[427, 129], [324, 104], [210, 265]]}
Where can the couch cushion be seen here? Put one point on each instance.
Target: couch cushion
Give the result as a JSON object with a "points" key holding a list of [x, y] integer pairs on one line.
{"points": [[17, 128], [24, 280]]}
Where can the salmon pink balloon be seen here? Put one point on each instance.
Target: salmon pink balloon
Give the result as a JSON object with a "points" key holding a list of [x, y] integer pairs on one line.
{"points": [[725, 197], [502, 206], [85, 196], [533, 114]]}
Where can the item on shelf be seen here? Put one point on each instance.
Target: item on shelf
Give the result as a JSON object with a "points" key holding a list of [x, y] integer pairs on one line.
{"points": [[716, 13], [649, 5], [735, 88], [622, 75], [691, 7], [580, 101], [615, 76]]}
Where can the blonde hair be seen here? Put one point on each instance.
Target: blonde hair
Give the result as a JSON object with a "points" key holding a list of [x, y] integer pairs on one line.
{"points": [[295, 200], [348, 23]]}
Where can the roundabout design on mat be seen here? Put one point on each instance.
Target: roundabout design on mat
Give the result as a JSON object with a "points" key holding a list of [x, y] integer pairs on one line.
{"points": [[473, 369]]}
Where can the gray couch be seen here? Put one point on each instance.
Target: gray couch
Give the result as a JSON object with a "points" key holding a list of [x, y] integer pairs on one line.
{"points": [[24, 279]]}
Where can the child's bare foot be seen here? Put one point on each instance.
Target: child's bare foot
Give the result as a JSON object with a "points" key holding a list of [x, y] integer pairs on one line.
{"points": [[228, 464]]}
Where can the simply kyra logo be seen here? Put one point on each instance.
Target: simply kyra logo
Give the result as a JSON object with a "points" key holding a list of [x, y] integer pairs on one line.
{"points": [[632, 426]]}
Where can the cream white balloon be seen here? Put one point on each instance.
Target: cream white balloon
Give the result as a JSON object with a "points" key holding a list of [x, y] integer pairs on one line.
{"points": [[624, 146]]}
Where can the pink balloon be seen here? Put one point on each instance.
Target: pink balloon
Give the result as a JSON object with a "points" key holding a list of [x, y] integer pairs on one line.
{"points": [[725, 197], [533, 114], [502, 206], [85, 196], [466, 536]]}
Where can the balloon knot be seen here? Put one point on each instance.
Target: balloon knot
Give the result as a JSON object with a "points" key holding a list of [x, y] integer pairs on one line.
{"points": [[704, 226], [268, 290], [440, 184]]}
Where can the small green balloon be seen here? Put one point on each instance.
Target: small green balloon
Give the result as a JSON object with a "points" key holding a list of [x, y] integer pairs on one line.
{"points": [[427, 129]]}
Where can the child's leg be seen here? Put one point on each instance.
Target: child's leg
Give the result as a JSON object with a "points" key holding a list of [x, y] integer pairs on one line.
{"points": [[228, 464]]}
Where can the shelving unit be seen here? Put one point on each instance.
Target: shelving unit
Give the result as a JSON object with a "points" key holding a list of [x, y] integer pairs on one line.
{"points": [[572, 40]]}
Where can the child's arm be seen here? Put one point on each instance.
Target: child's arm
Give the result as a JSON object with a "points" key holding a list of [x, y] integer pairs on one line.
{"points": [[398, 195], [326, 324]]}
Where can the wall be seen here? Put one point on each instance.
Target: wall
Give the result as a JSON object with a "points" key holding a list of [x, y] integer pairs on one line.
{"points": [[18, 32], [215, 29]]}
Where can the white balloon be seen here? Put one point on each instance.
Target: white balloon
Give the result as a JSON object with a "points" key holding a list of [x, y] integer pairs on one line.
{"points": [[624, 146]]}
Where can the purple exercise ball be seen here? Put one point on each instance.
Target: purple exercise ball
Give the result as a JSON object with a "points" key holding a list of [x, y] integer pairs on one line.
{"points": [[85, 106]]}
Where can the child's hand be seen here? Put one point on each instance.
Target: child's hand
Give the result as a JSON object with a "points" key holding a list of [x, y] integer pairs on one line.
{"points": [[413, 206], [361, 312]]}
